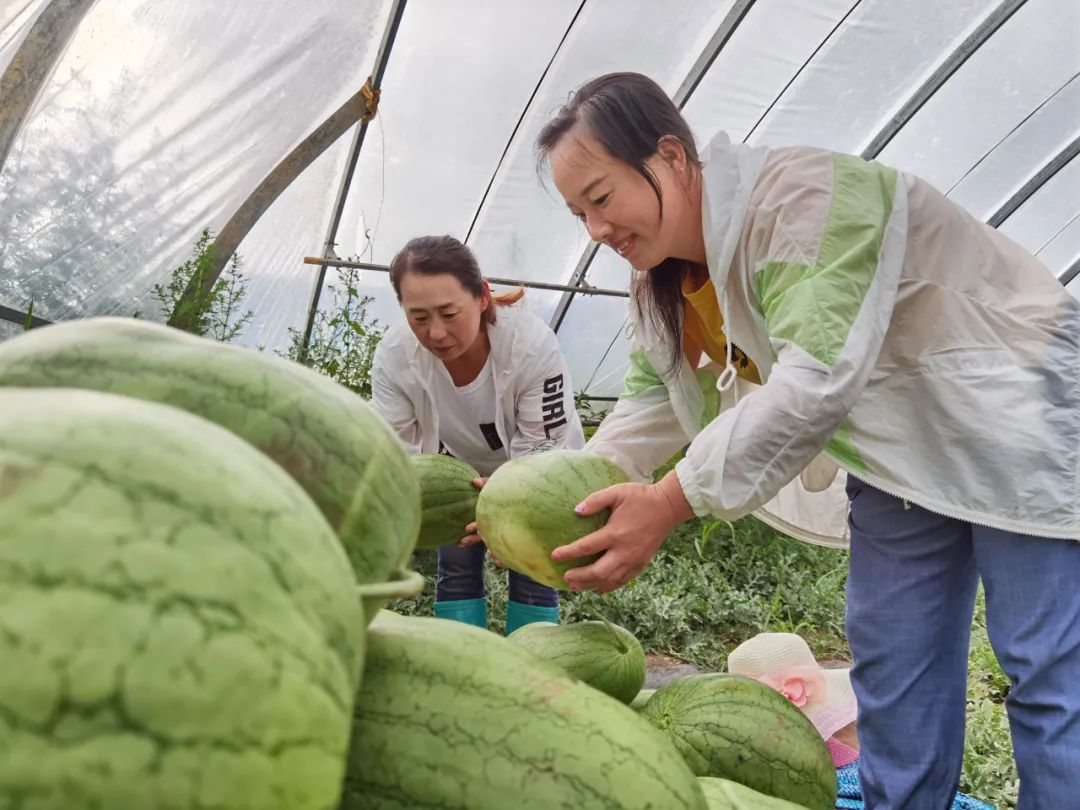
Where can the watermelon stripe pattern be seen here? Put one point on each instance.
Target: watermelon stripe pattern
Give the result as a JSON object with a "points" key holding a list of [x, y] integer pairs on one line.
{"points": [[340, 451], [456, 718], [526, 509], [614, 664], [179, 625], [447, 498], [736, 728]]}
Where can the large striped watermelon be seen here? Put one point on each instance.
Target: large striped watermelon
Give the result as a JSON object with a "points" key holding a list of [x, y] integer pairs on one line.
{"points": [[450, 716], [526, 509], [723, 794], [736, 728], [605, 656], [178, 623], [447, 498], [340, 451]]}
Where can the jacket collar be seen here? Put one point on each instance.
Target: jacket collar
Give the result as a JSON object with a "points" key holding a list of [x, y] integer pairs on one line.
{"points": [[728, 177]]}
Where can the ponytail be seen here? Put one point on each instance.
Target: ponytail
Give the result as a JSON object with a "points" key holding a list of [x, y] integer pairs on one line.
{"points": [[502, 300]]}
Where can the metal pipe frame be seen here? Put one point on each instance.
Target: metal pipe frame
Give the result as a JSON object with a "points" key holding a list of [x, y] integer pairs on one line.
{"points": [[986, 29], [723, 34], [360, 106], [33, 63], [1072, 272], [13, 315], [1037, 181], [510, 282], [397, 11], [521, 119]]}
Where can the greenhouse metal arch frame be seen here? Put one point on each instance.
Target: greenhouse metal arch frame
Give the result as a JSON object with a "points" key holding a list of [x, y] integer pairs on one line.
{"points": [[832, 38]]}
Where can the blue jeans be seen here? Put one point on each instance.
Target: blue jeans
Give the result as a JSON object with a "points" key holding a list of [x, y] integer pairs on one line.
{"points": [[910, 598], [461, 576]]}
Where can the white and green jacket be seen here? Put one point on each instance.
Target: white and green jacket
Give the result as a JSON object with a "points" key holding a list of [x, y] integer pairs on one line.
{"points": [[911, 344]]}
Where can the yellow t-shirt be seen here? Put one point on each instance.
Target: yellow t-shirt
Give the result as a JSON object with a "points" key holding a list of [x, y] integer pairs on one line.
{"points": [[704, 325]]}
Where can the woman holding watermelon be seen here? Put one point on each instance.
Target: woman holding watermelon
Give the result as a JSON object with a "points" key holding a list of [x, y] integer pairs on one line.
{"points": [[933, 360], [471, 375]]}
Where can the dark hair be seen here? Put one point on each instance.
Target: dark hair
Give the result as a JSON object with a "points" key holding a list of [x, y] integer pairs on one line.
{"points": [[629, 114], [434, 255]]}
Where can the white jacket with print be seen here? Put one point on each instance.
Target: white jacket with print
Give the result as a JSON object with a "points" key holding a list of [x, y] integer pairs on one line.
{"points": [[534, 406]]}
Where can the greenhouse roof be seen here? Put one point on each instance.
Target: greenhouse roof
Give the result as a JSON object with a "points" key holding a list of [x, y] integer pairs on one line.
{"points": [[127, 127]]}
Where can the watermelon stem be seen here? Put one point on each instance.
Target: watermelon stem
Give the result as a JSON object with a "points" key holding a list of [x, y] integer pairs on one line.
{"points": [[619, 642]]}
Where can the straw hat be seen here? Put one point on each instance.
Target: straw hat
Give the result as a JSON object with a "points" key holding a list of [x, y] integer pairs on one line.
{"points": [[784, 662]]}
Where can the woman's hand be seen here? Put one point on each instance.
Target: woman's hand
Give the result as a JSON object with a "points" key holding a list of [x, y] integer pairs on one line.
{"points": [[471, 535], [642, 516]]}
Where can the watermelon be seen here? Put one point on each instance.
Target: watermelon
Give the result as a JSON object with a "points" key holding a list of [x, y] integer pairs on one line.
{"points": [[638, 703], [179, 625], [723, 794], [451, 716], [735, 728], [605, 656], [447, 498], [340, 451], [526, 510]]}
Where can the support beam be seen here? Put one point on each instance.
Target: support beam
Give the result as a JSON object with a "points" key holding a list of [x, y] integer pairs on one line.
{"points": [[33, 63], [577, 279], [1071, 273], [13, 315], [723, 34], [397, 11], [986, 29], [510, 282], [521, 120], [362, 106], [1023, 122], [1040, 178], [302, 156], [795, 76]]}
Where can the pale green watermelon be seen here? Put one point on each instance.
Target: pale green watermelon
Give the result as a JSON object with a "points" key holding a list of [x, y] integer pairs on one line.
{"points": [[340, 451], [642, 697], [605, 656], [179, 625], [723, 794], [526, 509]]}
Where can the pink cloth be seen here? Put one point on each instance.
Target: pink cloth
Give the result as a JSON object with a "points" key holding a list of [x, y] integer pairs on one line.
{"points": [[802, 685], [842, 754], [830, 719]]}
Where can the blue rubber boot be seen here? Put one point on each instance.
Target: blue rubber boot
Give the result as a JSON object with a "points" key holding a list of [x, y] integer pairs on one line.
{"points": [[518, 615], [467, 611]]}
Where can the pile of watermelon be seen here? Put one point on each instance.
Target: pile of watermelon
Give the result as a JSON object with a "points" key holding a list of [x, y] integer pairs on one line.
{"points": [[197, 543]]}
